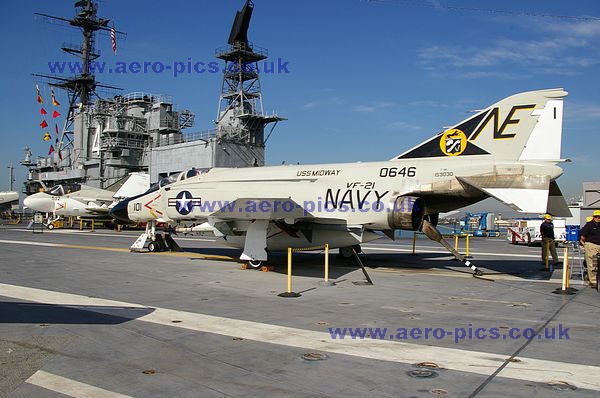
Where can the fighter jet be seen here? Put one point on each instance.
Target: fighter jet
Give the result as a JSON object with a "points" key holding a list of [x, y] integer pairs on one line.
{"points": [[77, 200], [509, 151], [7, 199]]}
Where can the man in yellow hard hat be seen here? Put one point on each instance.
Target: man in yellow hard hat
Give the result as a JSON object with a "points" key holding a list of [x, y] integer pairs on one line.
{"points": [[547, 232], [589, 236]]}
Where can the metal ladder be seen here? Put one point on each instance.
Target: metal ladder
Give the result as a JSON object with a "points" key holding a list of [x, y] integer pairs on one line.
{"points": [[578, 256]]}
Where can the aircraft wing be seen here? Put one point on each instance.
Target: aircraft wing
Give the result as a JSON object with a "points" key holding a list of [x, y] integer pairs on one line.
{"points": [[262, 209], [92, 201], [98, 210]]}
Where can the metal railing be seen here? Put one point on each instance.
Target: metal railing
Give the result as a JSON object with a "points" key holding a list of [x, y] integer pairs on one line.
{"points": [[153, 98], [251, 48], [183, 138], [117, 142]]}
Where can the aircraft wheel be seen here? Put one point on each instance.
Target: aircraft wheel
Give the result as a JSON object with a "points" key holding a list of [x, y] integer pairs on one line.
{"points": [[51, 226], [346, 252], [152, 247]]}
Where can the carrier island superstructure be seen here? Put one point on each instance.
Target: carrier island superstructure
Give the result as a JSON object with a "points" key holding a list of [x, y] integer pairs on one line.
{"points": [[104, 139]]}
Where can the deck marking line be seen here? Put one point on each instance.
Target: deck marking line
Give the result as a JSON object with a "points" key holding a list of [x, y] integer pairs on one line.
{"points": [[70, 387], [96, 233], [484, 363], [117, 249], [23, 242]]}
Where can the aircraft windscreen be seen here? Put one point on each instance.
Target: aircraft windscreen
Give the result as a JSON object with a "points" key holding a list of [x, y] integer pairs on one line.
{"points": [[163, 182], [56, 190], [64, 189], [193, 172]]}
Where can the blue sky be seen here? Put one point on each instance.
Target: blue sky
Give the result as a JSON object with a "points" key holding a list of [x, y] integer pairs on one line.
{"points": [[366, 81]]}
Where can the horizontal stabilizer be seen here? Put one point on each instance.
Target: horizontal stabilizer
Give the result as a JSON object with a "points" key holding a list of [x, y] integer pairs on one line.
{"points": [[525, 194], [522, 200]]}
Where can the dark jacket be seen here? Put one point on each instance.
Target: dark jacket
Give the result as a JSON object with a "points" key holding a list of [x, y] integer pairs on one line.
{"points": [[547, 229], [591, 232]]}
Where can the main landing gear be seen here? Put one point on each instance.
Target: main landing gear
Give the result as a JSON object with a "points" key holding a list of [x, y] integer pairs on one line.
{"points": [[348, 252]]}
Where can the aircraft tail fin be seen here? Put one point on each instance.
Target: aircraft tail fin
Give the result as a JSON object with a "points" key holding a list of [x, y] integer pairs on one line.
{"points": [[525, 126], [130, 185]]}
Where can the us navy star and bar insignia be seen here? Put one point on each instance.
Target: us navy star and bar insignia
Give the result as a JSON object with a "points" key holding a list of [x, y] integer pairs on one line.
{"points": [[184, 202]]}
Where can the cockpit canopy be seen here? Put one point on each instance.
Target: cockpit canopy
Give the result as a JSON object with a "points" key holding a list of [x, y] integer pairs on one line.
{"points": [[64, 189], [193, 172], [163, 182]]}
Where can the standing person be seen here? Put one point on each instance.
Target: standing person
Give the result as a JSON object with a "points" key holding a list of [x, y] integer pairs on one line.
{"points": [[547, 232], [589, 236]]}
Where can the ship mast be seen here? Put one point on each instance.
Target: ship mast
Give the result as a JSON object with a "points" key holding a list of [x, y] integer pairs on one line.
{"points": [[240, 117], [82, 87]]}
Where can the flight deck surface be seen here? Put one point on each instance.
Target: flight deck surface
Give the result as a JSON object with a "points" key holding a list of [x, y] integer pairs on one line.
{"points": [[80, 315]]}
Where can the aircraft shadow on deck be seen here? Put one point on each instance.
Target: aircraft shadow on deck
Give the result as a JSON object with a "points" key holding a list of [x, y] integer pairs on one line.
{"points": [[525, 268], [312, 264], [17, 312], [215, 251]]}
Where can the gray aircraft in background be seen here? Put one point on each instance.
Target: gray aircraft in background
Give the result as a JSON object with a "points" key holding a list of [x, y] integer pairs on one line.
{"points": [[78, 200]]}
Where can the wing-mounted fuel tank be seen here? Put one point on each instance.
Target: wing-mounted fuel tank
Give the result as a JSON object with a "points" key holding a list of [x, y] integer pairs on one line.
{"points": [[408, 212]]}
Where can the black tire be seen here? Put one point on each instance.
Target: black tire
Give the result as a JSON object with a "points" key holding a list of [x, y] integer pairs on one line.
{"points": [[255, 263], [152, 247], [346, 252], [50, 226]]}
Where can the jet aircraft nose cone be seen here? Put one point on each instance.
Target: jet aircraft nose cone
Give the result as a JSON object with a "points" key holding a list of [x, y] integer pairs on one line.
{"points": [[39, 202], [119, 211]]}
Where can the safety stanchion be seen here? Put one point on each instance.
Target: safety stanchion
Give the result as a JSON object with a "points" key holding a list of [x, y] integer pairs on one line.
{"points": [[92, 225], [414, 244], [467, 247], [326, 281], [565, 289], [455, 246], [80, 224], [289, 292]]}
